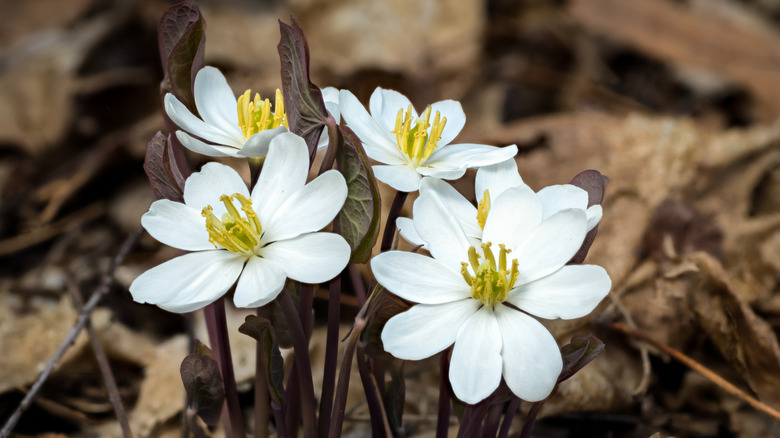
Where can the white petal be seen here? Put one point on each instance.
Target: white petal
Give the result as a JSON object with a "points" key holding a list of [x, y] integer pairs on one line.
{"points": [[475, 366], [310, 258], [465, 213], [330, 95], [257, 145], [551, 245], [378, 142], [309, 209], [406, 229], [441, 174], [216, 103], [425, 330], [183, 118], [418, 278], [187, 282], [284, 173], [571, 292], [260, 283], [532, 361], [177, 225], [384, 106], [456, 118], [594, 213], [210, 150], [496, 178], [513, 216], [438, 227], [562, 196], [466, 155], [400, 177], [214, 180]]}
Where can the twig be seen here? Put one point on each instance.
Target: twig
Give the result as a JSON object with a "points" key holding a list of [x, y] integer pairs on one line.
{"points": [[50, 230], [701, 369], [82, 319], [102, 360]]}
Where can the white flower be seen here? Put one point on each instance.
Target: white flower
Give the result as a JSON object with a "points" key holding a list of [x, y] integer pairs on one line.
{"points": [[413, 146], [270, 234], [470, 290], [493, 181], [242, 127]]}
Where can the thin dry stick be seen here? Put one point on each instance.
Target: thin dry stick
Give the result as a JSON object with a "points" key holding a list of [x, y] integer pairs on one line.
{"points": [[701, 369], [99, 292], [102, 360]]}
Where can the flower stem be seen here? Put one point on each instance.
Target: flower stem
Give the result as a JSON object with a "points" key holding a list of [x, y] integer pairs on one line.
{"points": [[333, 139], [443, 419], [331, 356], [508, 417], [375, 410], [216, 323], [302, 363], [340, 402], [493, 420], [392, 215], [262, 401]]}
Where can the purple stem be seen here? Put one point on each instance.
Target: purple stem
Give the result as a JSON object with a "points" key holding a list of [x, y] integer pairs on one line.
{"points": [[508, 417], [331, 356], [216, 323], [302, 362], [443, 419]]}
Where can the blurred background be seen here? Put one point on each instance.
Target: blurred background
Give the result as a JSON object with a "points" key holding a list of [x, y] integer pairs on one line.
{"points": [[676, 101]]}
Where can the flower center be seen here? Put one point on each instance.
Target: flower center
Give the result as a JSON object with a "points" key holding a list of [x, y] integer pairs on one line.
{"points": [[255, 115], [234, 232], [412, 136], [482, 209], [491, 281]]}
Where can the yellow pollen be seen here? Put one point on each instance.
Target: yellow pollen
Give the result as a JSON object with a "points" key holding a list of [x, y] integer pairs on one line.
{"points": [[490, 281], [254, 115], [234, 232], [412, 136], [482, 209]]}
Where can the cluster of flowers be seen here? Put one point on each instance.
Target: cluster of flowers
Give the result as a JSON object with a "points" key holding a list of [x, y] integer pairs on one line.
{"points": [[491, 266]]}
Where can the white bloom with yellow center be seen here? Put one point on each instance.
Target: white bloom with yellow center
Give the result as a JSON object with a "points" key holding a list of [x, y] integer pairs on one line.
{"points": [[412, 146], [493, 181], [258, 238], [231, 127], [471, 289]]}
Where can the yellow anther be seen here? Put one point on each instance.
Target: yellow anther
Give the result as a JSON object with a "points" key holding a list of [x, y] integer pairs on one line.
{"points": [[483, 208], [412, 136], [255, 115], [490, 282], [234, 232]]}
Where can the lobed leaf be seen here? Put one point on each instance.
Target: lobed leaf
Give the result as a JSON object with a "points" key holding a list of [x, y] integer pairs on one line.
{"points": [[161, 168], [306, 112], [579, 352], [203, 382], [358, 221], [181, 36], [593, 182], [263, 332]]}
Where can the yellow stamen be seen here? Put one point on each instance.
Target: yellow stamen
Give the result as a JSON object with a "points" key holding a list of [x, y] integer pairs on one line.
{"points": [[483, 208], [413, 139], [491, 281], [234, 232], [255, 115]]}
